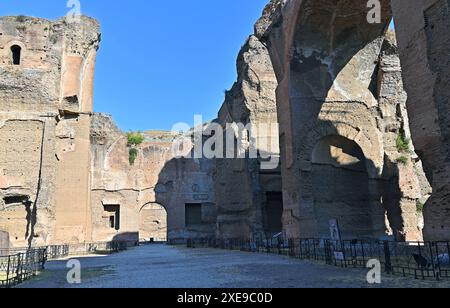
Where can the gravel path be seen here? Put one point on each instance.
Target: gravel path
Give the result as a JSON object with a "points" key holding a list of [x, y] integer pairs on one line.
{"points": [[177, 267]]}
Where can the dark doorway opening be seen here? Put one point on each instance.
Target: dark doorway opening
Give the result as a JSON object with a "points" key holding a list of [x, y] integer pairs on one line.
{"points": [[16, 200], [16, 54], [274, 211], [114, 216], [193, 214]]}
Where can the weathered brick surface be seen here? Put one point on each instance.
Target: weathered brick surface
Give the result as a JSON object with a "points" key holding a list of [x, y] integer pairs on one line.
{"points": [[340, 76], [423, 28], [45, 150]]}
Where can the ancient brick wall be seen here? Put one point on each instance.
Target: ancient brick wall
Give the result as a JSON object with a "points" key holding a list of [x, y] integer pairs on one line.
{"points": [[332, 81], [241, 185], [422, 28], [340, 93], [46, 80], [185, 182], [152, 192]]}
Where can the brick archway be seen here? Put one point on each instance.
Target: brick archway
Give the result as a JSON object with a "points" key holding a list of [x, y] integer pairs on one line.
{"points": [[153, 223], [333, 70]]}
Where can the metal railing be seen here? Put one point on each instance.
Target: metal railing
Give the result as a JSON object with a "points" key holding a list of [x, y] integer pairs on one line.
{"points": [[154, 240], [20, 264], [64, 251], [420, 260]]}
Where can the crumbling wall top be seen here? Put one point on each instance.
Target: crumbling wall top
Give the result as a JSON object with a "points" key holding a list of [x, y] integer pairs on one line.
{"points": [[44, 64]]}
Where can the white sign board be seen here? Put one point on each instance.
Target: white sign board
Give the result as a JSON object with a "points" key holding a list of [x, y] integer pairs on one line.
{"points": [[339, 256], [334, 230]]}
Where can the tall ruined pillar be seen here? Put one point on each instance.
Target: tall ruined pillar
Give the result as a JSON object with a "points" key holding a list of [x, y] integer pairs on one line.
{"points": [[73, 214], [242, 185], [46, 78], [423, 28]]}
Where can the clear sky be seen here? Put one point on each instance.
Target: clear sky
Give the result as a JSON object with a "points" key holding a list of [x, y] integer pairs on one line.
{"points": [[160, 62]]}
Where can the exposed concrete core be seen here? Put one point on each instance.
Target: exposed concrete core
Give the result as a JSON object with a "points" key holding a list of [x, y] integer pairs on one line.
{"points": [[340, 76], [240, 184], [423, 33]]}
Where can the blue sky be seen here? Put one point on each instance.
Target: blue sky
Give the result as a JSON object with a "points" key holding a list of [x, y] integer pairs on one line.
{"points": [[160, 62]]}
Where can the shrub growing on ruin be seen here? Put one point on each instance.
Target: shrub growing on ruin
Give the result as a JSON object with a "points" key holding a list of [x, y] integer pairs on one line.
{"points": [[403, 160], [402, 143], [135, 139], [21, 18], [133, 155], [420, 207]]}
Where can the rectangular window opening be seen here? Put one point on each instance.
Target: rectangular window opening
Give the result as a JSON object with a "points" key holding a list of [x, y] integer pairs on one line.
{"points": [[193, 214], [114, 216]]}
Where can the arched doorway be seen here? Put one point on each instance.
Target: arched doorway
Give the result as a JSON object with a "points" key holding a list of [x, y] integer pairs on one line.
{"points": [[153, 223], [16, 52], [342, 190]]}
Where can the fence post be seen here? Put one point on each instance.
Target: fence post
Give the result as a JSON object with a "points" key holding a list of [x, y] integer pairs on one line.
{"points": [[387, 257], [18, 272], [363, 253], [315, 255], [421, 268], [300, 250], [42, 259], [328, 257], [291, 247], [7, 271], [433, 265], [437, 270]]}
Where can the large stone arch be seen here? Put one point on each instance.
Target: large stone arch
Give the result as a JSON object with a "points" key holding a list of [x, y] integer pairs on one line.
{"points": [[153, 224], [365, 193], [367, 138], [343, 192], [307, 45], [327, 58]]}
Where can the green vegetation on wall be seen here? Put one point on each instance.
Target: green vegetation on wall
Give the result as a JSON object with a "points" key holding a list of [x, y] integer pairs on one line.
{"points": [[402, 142], [420, 207], [134, 140], [133, 155], [403, 160]]}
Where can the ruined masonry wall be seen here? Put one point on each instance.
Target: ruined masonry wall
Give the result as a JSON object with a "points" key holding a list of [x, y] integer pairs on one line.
{"points": [[45, 107]]}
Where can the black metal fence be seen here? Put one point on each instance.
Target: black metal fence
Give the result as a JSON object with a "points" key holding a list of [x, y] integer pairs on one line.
{"points": [[420, 260], [18, 265], [63, 251]]}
